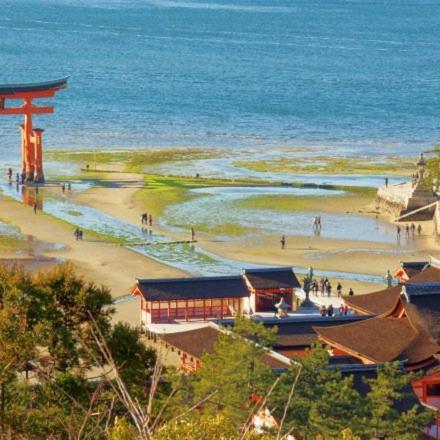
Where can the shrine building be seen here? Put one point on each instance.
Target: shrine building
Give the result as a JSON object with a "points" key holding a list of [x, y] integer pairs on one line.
{"points": [[218, 297]]}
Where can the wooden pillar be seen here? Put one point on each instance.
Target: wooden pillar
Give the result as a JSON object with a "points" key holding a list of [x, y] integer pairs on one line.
{"points": [[204, 310], [168, 311], [23, 149], [38, 154], [210, 312], [221, 308], [29, 150], [186, 309]]}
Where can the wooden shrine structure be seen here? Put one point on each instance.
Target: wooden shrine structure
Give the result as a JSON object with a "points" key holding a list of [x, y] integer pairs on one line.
{"points": [[218, 297], [31, 138]]}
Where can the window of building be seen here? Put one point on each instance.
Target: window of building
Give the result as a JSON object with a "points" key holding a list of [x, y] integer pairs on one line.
{"points": [[433, 389]]}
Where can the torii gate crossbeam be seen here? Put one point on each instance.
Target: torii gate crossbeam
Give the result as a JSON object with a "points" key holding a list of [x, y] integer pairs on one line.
{"points": [[31, 138]]}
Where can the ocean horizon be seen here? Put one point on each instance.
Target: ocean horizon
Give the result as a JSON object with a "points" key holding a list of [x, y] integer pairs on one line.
{"points": [[343, 75]]}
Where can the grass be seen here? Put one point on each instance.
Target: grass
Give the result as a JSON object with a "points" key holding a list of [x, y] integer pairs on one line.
{"points": [[132, 160], [388, 165]]}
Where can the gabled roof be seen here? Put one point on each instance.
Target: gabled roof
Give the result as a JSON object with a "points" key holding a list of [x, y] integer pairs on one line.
{"points": [[199, 341], [172, 289], [384, 300], [413, 337], [272, 278]]}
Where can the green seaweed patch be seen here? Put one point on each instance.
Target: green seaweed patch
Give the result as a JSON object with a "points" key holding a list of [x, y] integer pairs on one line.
{"points": [[132, 160], [388, 165], [348, 202], [11, 242], [74, 213], [225, 229], [162, 191]]}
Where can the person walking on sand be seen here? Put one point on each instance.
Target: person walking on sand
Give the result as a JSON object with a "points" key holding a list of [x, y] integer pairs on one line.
{"points": [[150, 220], [386, 181], [63, 187], [350, 292], [339, 290], [413, 229], [419, 229], [35, 206], [283, 242], [389, 278], [329, 289], [407, 230], [76, 234], [398, 232], [193, 234]]}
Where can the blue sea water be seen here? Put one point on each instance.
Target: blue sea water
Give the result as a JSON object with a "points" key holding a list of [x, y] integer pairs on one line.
{"points": [[349, 75]]}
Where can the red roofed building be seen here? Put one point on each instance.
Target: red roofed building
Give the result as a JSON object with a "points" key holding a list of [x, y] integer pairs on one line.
{"points": [[408, 332]]}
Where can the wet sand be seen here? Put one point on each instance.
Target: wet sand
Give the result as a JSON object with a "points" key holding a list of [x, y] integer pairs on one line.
{"points": [[98, 261]]}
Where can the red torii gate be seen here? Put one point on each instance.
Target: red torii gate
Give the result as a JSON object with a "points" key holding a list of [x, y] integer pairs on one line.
{"points": [[31, 138]]}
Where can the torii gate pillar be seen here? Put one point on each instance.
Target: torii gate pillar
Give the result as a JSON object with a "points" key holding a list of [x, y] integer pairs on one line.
{"points": [[31, 138]]}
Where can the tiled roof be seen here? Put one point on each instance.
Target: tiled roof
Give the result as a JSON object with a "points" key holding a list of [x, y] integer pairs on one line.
{"points": [[192, 288], [414, 338], [300, 333], [202, 340], [272, 278], [382, 301]]}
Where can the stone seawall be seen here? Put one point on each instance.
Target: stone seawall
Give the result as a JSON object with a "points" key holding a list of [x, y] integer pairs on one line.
{"points": [[401, 199]]}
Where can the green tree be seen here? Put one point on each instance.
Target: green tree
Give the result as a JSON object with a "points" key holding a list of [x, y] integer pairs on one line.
{"points": [[76, 307], [433, 165], [323, 403], [390, 387], [235, 371], [134, 360]]}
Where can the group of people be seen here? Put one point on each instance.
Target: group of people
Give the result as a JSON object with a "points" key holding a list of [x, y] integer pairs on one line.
{"points": [[64, 186], [324, 287], [409, 229], [79, 234], [329, 311], [147, 219], [317, 222]]}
